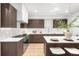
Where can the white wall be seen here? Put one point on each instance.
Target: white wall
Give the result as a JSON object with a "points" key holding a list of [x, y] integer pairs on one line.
{"points": [[75, 30], [9, 32], [48, 23], [18, 24], [6, 32], [24, 14]]}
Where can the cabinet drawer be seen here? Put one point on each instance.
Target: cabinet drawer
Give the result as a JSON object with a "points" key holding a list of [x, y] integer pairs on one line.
{"points": [[36, 39]]}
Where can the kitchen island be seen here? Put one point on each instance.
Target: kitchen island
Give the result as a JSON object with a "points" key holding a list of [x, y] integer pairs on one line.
{"points": [[59, 41]]}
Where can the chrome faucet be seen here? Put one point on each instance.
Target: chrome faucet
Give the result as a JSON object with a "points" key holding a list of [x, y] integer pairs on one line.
{"points": [[48, 30]]}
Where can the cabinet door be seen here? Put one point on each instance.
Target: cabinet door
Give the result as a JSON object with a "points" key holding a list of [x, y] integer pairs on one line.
{"points": [[4, 14], [39, 23], [12, 48], [8, 49], [8, 15], [20, 48], [12, 16], [36, 38], [23, 25], [0, 14]]}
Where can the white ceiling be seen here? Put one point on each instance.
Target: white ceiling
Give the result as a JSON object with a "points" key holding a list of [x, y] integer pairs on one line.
{"points": [[51, 9]]}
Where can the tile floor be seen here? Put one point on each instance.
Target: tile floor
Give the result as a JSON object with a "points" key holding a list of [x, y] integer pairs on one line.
{"points": [[34, 49]]}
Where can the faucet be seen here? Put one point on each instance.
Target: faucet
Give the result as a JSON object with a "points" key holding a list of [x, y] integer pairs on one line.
{"points": [[48, 30]]}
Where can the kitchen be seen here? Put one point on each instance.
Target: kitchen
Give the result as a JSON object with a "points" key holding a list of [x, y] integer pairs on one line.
{"points": [[25, 25]]}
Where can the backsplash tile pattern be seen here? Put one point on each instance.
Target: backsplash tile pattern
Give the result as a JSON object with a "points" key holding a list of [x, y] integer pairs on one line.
{"points": [[44, 31], [9, 32]]}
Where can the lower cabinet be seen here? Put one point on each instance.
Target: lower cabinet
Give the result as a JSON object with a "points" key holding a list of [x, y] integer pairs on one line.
{"points": [[12, 48], [36, 38]]}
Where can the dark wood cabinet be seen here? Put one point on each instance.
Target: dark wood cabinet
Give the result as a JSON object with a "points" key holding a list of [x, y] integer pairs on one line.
{"points": [[35, 23], [39, 38], [8, 15], [12, 48], [13, 16], [47, 47], [0, 15], [23, 25], [36, 38]]}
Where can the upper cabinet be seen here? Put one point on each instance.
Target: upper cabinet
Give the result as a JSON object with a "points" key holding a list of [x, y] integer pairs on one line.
{"points": [[35, 23], [0, 15], [8, 15], [23, 25]]}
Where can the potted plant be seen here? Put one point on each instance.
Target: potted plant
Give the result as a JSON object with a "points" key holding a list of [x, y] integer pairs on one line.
{"points": [[62, 24]]}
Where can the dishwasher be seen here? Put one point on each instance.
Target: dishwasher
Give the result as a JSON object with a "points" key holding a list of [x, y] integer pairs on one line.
{"points": [[25, 41]]}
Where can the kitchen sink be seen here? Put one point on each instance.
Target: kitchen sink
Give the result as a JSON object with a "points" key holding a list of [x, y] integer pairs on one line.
{"points": [[23, 35]]}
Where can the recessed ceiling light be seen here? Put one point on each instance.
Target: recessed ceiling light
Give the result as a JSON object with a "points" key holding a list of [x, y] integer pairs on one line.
{"points": [[35, 11], [56, 9], [66, 11], [51, 10]]}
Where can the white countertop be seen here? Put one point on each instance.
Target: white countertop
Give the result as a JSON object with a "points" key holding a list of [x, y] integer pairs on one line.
{"points": [[11, 39], [61, 39]]}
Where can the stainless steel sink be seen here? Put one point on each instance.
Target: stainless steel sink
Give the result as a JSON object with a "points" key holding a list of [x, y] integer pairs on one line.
{"points": [[23, 35]]}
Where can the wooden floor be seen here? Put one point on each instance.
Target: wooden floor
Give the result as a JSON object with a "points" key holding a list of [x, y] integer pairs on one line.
{"points": [[34, 49]]}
